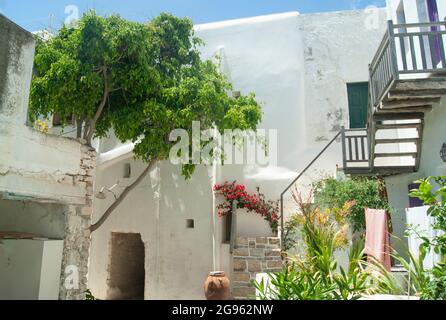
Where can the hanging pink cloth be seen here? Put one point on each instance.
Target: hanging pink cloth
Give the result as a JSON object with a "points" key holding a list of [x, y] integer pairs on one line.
{"points": [[377, 237]]}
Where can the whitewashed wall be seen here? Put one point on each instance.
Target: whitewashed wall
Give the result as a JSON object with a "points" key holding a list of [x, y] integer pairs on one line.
{"points": [[299, 67]]}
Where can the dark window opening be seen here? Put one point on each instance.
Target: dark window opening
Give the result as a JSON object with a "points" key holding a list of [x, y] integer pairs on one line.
{"points": [[127, 171], [190, 224], [126, 273]]}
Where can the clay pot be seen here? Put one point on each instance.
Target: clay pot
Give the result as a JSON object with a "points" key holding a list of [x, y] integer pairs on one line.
{"points": [[217, 287]]}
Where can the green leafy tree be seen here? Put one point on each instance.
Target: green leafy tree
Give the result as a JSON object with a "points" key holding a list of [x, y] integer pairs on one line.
{"points": [[140, 79], [366, 192]]}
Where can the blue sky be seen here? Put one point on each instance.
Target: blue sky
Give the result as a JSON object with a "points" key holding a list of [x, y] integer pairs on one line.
{"points": [[35, 14]]}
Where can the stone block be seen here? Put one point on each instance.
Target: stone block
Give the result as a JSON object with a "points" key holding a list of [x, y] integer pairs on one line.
{"points": [[254, 266], [256, 252], [241, 252], [247, 292], [241, 284], [242, 241], [273, 253], [274, 264], [241, 277], [262, 240], [274, 241], [239, 265]]}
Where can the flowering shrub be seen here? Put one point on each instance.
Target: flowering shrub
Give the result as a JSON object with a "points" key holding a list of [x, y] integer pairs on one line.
{"points": [[256, 202], [316, 274]]}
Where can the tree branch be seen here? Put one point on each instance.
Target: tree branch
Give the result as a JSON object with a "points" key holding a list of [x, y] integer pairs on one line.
{"points": [[115, 89], [123, 195], [94, 120]]}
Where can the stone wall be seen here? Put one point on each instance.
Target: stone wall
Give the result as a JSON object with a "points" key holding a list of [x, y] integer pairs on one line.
{"points": [[77, 234], [252, 256]]}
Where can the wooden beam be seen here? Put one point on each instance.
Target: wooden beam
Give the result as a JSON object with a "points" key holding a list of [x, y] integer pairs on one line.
{"points": [[395, 154], [426, 93], [397, 126], [419, 103], [393, 169], [420, 84], [390, 170], [390, 115], [401, 140], [408, 110]]}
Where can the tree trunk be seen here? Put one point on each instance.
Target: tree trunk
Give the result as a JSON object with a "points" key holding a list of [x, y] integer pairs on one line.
{"points": [[123, 195], [79, 128]]}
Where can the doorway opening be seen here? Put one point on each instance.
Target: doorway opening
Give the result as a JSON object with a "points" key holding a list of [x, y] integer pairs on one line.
{"points": [[126, 272]]}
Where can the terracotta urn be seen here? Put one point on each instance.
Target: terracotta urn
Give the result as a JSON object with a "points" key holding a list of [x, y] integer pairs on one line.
{"points": [[217, 286]]}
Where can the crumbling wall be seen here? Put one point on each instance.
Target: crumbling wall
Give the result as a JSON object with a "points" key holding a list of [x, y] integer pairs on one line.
{"points": [[16, 61], [43, 168], [77, 235]]}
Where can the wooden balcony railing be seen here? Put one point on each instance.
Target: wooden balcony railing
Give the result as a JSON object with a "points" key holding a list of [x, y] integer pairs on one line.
{"points": [[355, 149], [407, 49]]}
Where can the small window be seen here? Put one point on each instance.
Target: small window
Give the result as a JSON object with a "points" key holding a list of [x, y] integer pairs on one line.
{"points": [[127, 171], [227, 224], [190, 224]]}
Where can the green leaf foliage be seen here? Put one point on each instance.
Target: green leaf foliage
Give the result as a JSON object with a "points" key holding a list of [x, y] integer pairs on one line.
{"points": [[365, 192], [432, 191], [140, 79]]}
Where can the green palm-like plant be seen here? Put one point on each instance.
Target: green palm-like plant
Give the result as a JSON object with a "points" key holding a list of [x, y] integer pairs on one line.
{"points": [[317, 275]]}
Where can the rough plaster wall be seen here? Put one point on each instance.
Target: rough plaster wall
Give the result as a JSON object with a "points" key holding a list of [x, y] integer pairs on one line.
{"points": [[338, 48], [55, 160], [16, 60], [43, 219], [42, 168]]}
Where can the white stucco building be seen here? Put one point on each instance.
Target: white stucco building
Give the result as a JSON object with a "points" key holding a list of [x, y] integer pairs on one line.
{"points": [[379, 73], [310, 73], [405, 126], [432, 133]]}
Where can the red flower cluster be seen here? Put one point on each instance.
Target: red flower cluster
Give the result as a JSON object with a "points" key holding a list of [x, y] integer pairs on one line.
{"points": [[252, 202]]}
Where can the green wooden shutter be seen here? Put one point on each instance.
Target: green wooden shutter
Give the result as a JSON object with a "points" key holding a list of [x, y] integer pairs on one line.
{"points": [[358, 95]]}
